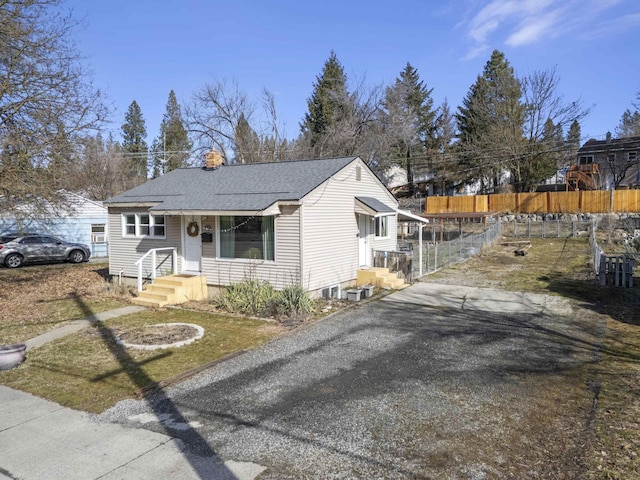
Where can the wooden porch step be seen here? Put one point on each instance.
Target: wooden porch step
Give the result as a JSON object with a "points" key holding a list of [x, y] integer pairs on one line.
{"points": [[172, 290], [380, 277]]}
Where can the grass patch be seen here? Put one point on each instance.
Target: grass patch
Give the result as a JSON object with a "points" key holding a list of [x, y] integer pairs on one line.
{"points": [[611, 384], [615, 453], [37, 298], [89, 371]]}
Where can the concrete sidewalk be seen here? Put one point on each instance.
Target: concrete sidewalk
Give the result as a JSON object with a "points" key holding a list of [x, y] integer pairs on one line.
{"points": [[40, 439]]}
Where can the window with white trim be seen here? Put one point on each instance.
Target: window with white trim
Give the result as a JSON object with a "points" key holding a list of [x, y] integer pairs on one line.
{"points": [[632, 156], [143, 225], [382, 227], [251, 238], [98, 233]]}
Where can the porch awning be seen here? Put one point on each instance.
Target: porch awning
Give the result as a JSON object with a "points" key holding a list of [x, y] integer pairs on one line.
{"points": [[372, 207], [406, 216]]}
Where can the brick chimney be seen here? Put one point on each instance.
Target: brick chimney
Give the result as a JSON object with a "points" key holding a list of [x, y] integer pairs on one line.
{"points": [[213, 159]]}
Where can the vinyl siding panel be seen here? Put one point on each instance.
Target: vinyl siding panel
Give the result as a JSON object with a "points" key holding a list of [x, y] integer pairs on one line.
{"points": [[330, 251], [125, 251], [283, 272], [77, 229]]}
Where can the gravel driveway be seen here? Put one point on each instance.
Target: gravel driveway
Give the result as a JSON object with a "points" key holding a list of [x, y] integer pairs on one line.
{"points": [[432, 382]]}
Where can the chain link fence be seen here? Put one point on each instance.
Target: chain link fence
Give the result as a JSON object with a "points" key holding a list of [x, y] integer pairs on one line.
{"points": [[546, 229], [438, 255]]}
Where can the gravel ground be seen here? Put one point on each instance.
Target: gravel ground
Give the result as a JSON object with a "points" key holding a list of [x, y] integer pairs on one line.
{"points": [[395, 388]]}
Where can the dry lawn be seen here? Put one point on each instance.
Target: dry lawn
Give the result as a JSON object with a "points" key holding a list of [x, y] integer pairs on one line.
{"points": [[36, 298], [601, 440]]}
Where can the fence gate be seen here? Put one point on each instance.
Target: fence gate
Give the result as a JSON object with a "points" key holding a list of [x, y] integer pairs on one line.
{"points": [[616, 270]]}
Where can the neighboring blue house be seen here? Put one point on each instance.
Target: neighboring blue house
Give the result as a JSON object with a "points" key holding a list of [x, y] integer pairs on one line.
{"points": [[82, 220]]}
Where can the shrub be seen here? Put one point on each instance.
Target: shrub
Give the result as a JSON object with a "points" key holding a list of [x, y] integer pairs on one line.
{"points": [[293, 301], [249, 297]]}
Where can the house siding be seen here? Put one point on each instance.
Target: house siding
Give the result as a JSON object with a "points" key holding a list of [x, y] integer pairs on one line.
{"points": [[330, 252], [285, 271], [125, 251], [73, 225]]}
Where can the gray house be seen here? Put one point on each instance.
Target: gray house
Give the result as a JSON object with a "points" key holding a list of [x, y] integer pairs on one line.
{"points": [[313, 223]]}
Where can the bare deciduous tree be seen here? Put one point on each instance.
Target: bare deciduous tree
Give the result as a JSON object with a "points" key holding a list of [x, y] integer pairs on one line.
{"points": [[47, 101], [214, 115]]}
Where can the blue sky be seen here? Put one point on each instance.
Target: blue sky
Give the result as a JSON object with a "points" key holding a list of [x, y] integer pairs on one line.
{"points": [[140, 50]]}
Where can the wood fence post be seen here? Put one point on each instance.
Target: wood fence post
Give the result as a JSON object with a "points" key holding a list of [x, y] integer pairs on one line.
{"points": [[611, 201], [580, 201], [603, 270]]}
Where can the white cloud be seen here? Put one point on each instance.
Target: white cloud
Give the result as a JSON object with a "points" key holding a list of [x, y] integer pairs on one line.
{"points": [[525, 22], [533, 29], [617, 25]]}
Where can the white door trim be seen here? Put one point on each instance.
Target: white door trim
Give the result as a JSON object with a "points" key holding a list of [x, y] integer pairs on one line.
{"points": [[191, 246], [363, 240]]}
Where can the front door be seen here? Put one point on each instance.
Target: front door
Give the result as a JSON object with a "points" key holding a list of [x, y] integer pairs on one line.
{"points": [[192, 243], [363, 240]]}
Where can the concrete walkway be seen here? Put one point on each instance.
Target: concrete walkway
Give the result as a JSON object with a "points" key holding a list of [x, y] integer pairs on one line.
{"points": [[77, 325]]}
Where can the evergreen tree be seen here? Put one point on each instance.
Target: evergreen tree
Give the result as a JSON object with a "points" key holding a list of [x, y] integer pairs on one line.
{"points": [[445, 166], [629, 125], [329, 102], [490, 124], [247, 148], [410, 121], [134, 145], [572, 143], [172, 148]]}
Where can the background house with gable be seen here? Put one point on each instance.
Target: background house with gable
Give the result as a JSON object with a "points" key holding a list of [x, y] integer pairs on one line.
{"points": [[74, 219], [618, 161]]}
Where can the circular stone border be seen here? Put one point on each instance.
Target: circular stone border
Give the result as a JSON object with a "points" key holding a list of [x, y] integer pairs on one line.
{"points": [[181, 343]]}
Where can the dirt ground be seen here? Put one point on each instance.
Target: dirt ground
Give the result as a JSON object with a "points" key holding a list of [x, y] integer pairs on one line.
{"points": [[36, 298], [601, 440]]}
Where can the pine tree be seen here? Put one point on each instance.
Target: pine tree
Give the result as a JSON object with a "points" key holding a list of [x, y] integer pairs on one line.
{"points": [[134, 145], [445, 166], [572, 143], [329, 102], [629, 125], [410, 121], [247, 147], [490, 124], [172, 148]]}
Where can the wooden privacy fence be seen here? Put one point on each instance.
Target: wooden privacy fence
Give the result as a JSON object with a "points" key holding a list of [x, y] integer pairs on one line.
{"points": [[585, 201]]}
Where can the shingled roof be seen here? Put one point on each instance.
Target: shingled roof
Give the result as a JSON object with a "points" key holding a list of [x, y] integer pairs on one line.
{"points": [[243, 187], [610, 146]]}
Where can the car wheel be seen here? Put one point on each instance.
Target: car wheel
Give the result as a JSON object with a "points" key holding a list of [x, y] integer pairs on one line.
{"points": [[13, 260], [76, 256]]}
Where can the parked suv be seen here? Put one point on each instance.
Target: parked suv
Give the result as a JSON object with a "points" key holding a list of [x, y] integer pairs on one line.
{"points": [[16, 250]]}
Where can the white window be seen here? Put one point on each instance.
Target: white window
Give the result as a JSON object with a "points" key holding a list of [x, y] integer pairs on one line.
{"points": [[382, 227], [247, 237], [158, 226], [98, 233], [632, 156], [143, 225]]}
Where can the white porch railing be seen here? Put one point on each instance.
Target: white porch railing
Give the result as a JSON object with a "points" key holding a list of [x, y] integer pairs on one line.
{"points": [[152, 252]]}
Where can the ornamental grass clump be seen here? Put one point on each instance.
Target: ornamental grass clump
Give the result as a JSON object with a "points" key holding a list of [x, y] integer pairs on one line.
{"points": [[249, 297], [260, 299], [294, 301]]}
